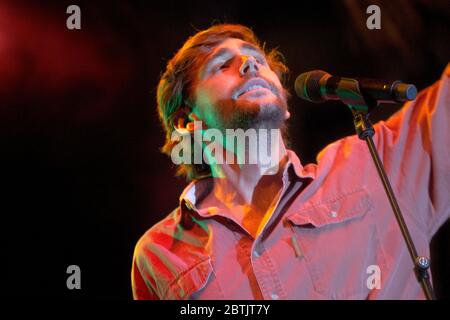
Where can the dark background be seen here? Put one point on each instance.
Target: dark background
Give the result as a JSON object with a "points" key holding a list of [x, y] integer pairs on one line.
{"points": [[80, 168]]}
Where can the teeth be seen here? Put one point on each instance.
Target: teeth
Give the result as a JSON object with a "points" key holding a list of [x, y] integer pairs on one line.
{"points": [[257, 86]]}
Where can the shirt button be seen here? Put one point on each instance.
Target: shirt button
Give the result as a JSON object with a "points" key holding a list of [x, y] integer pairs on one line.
{"points": [[274, 296], [333, 214]]}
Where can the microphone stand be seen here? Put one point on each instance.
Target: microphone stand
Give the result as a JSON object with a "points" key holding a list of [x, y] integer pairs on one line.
{"points": [[361, 107]]}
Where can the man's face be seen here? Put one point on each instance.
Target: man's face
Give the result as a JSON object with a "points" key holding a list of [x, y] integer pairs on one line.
{"points": [[235, 88]]}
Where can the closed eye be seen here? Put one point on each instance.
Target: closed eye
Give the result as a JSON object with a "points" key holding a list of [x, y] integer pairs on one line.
{"points": [[222, 66], [261, 60]]}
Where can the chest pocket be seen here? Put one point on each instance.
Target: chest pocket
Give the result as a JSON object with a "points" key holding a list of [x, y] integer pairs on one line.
{"points": [[338, 240], [189, 282]]}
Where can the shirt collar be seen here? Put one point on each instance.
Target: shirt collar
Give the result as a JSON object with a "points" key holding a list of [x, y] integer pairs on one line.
{"points": [[308, 171], [198, 189]]}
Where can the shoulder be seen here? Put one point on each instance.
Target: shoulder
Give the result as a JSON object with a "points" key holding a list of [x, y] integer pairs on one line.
{"points": [[160, 234], [341, 151], [170, 252]]}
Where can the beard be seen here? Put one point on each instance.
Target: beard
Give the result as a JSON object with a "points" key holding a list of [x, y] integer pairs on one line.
{"points": [[245, 114]]}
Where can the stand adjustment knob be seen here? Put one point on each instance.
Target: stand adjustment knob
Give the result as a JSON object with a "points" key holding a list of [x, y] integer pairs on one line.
{"points": [[423, 263]]}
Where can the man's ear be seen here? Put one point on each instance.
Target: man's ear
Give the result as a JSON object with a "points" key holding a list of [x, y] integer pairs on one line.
{"points": [[192, 117], [184, 121], [181, 121]]}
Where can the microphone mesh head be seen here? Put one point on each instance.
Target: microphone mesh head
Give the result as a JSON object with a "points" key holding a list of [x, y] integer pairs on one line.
{"points": [[405, 92], [307, 85]]}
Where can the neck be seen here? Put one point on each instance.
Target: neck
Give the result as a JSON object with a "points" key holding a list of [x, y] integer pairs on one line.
{"points": [[243, 180]]}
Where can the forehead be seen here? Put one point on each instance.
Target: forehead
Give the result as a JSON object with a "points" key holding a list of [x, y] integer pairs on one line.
{"points": [[234, 44]]}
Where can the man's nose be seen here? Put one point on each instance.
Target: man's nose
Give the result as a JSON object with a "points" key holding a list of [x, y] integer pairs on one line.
{"points": [[249, 66]]}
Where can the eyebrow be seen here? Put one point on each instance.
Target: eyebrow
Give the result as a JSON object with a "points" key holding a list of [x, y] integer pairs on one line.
{"points": [[225, 51], [209, 60], [253, 48]]}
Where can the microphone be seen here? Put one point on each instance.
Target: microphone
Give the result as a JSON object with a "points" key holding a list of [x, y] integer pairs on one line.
{"points": [[319, 86]]}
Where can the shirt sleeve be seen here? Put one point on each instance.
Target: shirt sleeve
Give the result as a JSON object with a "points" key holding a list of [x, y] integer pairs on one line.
{"points": [[139, 288], [414, 145]]}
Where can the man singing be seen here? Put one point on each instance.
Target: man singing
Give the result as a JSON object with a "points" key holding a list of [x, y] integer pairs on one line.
{"points": [[249, 230]]}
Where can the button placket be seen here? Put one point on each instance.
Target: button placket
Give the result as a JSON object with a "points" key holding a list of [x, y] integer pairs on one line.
{"points": [[260, 269]]}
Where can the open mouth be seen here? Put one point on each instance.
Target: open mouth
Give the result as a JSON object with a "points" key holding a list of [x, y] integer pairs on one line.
{"points": [[252, 88], [253, 85]]}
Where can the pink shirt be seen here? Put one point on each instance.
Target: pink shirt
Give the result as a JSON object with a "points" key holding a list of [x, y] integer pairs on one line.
{"points": [[332, 234]]}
